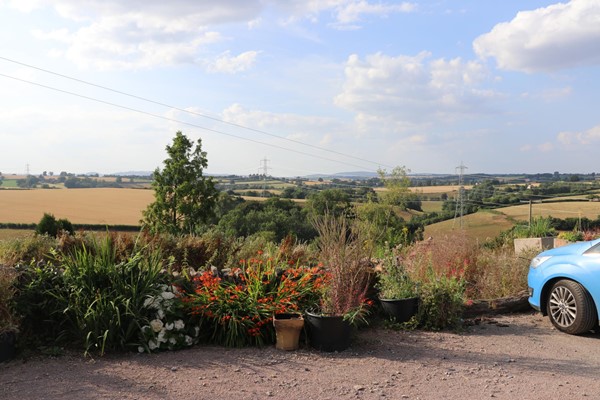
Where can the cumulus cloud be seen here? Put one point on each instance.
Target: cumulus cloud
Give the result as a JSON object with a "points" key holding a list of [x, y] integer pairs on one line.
{"points": [[580, 138], [111, 34], [231, 64], [411, 90], [559, 36]]}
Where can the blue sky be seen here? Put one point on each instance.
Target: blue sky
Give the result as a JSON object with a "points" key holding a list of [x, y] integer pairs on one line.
{"points": [[312, 86]]}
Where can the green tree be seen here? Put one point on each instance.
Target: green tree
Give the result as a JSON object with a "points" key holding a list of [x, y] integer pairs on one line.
{"points": [[184, 197], [335, 202], [48, 225], [397, 185]]}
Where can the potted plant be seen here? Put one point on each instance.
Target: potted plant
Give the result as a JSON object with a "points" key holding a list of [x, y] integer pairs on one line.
{"points": [[398, 292], [345, 255], [8, 320]]}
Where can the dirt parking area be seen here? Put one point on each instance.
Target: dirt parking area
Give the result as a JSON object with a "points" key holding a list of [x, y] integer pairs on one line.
{"points": [[509, 357]]}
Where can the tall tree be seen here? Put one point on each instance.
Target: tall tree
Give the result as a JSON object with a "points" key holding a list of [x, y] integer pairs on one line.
{"points": [[184, 197]]}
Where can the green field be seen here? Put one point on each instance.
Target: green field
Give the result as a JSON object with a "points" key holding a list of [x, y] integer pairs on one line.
{"points": [[489, 223], [9, 183]]}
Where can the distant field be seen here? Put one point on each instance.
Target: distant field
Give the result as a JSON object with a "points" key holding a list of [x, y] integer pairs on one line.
{"points": [[14, 233], [478, 227], [9, 183], [81, 206], [488, 224], [562, 210], [431, 206]]}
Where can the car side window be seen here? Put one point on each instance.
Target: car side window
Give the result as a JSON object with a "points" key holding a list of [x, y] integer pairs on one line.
{"points": [[593, 250]]}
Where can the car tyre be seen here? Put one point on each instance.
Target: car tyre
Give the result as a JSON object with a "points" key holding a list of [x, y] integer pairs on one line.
{"points": [[571, 308]]}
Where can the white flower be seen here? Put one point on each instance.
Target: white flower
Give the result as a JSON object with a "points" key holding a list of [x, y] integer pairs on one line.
{"points": [[197, 330], [156, 325], [167, 295], [149, 302], [161, 336], [188, 340], [160, 313], [179, 324], [152, 345], [169, 326], [172, 340], [140, 349]]}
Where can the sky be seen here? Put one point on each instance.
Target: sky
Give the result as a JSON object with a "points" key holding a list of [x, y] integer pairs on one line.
{"points": [[310, 86]]}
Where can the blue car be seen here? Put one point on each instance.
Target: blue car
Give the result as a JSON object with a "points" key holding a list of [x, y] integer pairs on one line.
{"points": [[564, 283]]}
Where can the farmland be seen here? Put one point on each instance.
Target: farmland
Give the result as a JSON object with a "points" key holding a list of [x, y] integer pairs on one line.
{"points": [[80, 206]]}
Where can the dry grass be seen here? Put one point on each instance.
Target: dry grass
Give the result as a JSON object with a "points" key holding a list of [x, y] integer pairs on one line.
{"points": [[81, 206], [477, 227], [562, 210]]}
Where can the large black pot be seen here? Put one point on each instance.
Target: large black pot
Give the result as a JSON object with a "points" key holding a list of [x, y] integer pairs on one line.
{"points": [[8, 345], [328, 333], [401, 310]]}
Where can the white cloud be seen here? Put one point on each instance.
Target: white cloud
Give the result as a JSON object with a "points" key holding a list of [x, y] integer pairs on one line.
{"points": [[580, 138], [412, 90], [231, 64], [559, 36]]}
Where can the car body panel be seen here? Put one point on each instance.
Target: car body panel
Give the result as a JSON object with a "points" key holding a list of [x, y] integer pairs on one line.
{"points": [[579, 262]]}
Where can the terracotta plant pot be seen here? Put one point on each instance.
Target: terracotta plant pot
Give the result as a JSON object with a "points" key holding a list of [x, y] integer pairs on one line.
{"points": [[328, 333], [287, 330]]}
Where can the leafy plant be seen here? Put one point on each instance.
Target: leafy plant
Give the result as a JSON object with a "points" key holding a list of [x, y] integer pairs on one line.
{"points": [[571, 236], [539, 227], [90, 298], [8, 320], [237, 309], [394, 282], [169, 327], [441, 303]]}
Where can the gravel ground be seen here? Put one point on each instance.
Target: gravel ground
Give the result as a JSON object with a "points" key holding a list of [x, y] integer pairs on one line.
{"points": [[508, 357]]}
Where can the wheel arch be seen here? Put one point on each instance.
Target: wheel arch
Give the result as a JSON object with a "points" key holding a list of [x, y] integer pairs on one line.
{"points": [[546, 290]]}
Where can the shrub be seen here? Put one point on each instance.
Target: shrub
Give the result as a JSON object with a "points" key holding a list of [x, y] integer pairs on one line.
{"points": [[48, 225], [441, 302], [236, 310], [89, 298], [8, 319]]}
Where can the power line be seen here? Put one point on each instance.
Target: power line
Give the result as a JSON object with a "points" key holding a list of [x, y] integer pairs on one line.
{"points": [[191, 112], [180, 122]]}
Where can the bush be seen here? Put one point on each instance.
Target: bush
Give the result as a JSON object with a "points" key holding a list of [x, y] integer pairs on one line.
{"points": [[441, 303], [48, 225], [237, 309], [88, 297]]}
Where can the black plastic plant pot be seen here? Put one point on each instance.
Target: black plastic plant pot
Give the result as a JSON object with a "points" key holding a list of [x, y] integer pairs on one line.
{"points": [[8, 346], [401, 310], [328, 333]]}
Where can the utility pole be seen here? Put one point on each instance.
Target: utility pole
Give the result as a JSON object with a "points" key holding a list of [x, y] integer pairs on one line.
{"points": [[265, 169], [460, 204]]}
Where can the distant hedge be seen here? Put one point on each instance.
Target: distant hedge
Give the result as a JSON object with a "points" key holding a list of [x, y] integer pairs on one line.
{"points": [[77, 227]]}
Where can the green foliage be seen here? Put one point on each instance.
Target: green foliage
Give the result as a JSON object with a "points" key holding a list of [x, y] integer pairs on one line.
{"points": [[184, 197], [571, 236], [25, 250], [540, 227], [335, 202], [48, 225], [237, 310], [397, 185], [8, 317], [394, 282], [89, 297], [441, 302], [274, 219]]}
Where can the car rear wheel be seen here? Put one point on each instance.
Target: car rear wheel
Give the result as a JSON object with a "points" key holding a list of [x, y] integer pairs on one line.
{"points": [[570, 308]]}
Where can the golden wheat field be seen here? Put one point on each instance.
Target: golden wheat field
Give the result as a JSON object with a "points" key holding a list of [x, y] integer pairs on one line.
{"points": [[108, 206], [589, 209]]}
